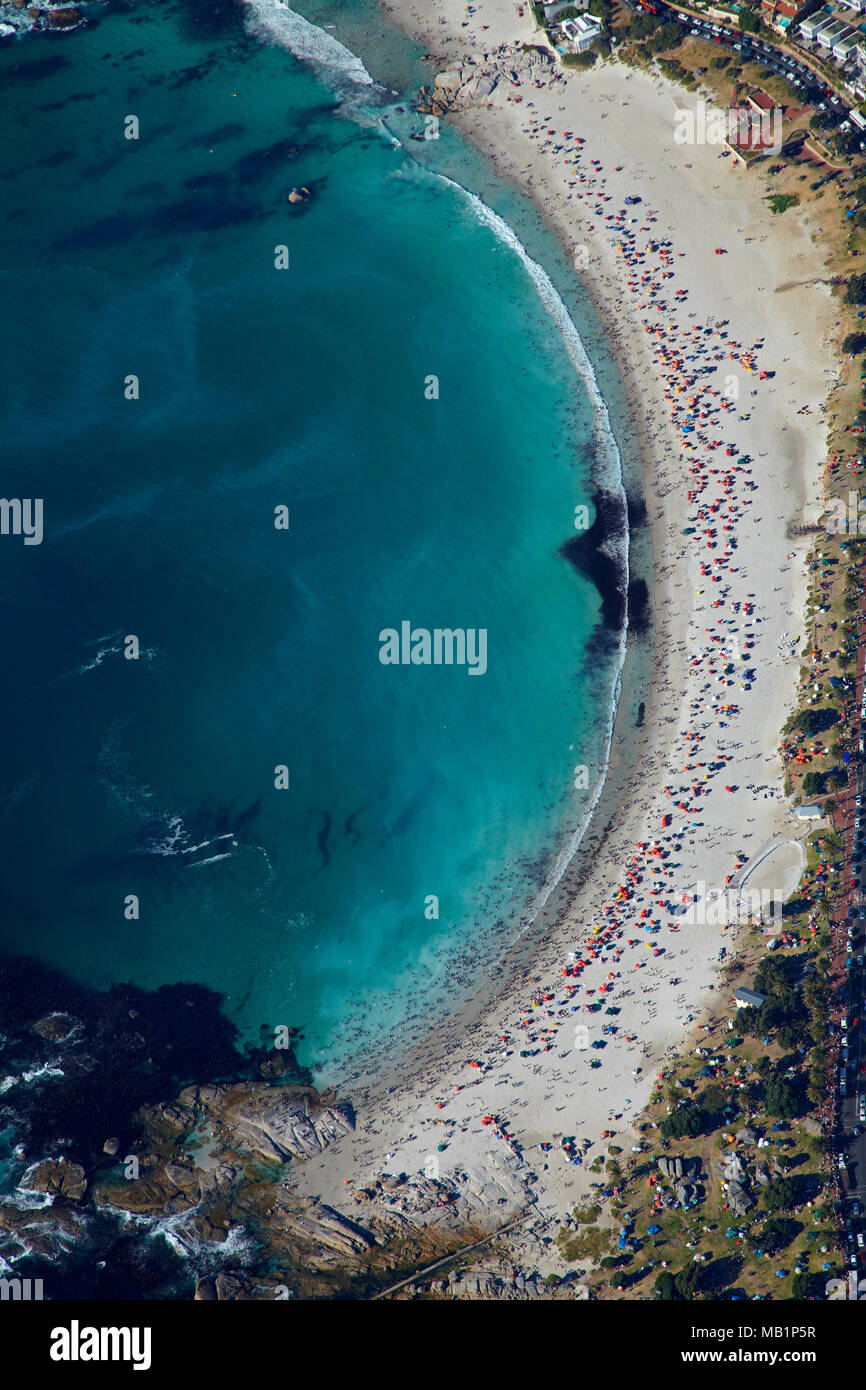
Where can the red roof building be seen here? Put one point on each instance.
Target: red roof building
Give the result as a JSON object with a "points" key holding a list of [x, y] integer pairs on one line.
{"points": [[781, 14]]}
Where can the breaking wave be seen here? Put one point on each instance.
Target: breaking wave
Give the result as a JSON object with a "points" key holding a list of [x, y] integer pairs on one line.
{"points": [[337, 66]]}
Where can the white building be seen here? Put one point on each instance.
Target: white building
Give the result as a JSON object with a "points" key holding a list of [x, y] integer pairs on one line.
{"points": [[828, 35], [748, 999], [582, 31], [809, 28], [845, 45]]}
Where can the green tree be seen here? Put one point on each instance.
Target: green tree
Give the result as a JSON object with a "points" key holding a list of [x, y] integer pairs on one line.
{"points": [[687, 1280], [845, 142], [855, 291], [640, 26], [771, 976], [805, 1285], [780, 1098], [818, 721], [778, 1232], [749, 1020], [780, 1194], [713, 1101], [665, 1288], [668, 36], [687, 1121], [813, 784]]}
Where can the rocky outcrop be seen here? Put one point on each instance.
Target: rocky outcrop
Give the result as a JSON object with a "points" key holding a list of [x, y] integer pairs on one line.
{"points": [[65, 18], [47, 1232], [166, 1188], [739, 1200], [733, 1176], [239, 1288], [481, 1196], [675, 1169], [56, 1027], [284, 1122], [507, 1287], [473, 83], [276, 1123], [58, 1177], [321, 1235]]}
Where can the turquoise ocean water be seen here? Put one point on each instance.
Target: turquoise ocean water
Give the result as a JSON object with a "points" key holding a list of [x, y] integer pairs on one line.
{"points": [[301, 388]]}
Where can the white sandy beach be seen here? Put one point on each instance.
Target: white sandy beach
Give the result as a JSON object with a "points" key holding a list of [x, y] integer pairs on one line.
{"points": [[765, 294]]}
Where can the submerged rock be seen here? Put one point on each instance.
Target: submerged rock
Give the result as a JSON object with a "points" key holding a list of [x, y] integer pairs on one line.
{"points": [[65, 18], [56, 1027]]}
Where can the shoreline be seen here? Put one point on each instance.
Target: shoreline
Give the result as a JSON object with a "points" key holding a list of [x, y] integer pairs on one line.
{"points": [[503, 1081]]}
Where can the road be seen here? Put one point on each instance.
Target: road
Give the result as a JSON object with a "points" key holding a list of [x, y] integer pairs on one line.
{"points": [[792, 66], [849, 1012]]}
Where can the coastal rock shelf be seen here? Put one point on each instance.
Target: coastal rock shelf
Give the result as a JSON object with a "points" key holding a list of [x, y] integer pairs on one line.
{"points": [[472, 84], [59, 1179]]}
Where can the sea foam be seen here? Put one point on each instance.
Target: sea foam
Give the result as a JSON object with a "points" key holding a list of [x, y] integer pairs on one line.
{"points": [[337, 66]]}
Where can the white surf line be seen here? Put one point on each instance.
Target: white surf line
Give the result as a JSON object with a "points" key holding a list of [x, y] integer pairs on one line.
{"points": [[612, 481], [332, 61]]}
